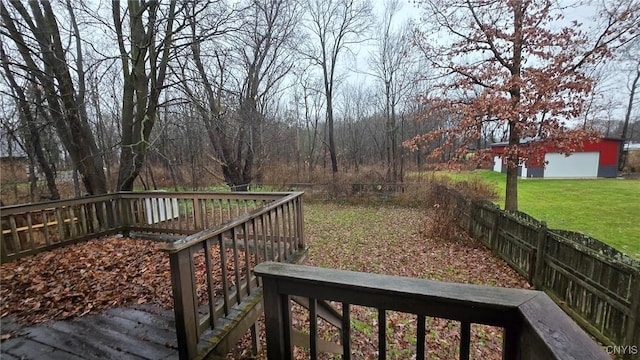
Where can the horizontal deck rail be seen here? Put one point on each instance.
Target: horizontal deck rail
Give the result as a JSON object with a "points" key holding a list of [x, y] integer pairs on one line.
{"points": [[534, 326]]}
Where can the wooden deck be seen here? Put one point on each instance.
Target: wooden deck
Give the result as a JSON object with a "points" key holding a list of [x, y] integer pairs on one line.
{"points": [[124, 333]]}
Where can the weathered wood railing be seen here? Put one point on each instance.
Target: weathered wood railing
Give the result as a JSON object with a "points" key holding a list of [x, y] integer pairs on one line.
{"points": [[29, 229], [216, 296], [534, 326], [594, 283], [214, 289]]}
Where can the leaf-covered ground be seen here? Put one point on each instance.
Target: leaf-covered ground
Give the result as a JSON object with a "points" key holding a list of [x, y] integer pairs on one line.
{"points": [[390, 240], [113, 272]]}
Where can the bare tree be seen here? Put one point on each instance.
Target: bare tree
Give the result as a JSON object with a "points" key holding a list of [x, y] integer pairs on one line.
{"points": [[632, 54], [257, 53], [392, 63], [335, 25], [35, 147], [144, 59], [38, 41]]}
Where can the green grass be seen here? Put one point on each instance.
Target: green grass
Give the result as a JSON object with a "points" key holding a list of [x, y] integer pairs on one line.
{"points": [[606, 209]]}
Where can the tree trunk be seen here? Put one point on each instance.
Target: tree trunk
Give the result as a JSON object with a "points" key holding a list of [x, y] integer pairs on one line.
{"points": [[513, 159], [511, 193], [627, 117], [34, 135]]}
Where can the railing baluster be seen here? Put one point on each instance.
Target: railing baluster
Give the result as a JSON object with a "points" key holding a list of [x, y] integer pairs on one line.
{"points": [[254, 227], [271, 237], [15, 240], [208, 208], [289, 237], [263, 226], [421, 335], [31, 239], [465, 340], [300, 223], [45, 227], [83, 219], [225, 282], [72, 221], [276, 233], [346, 331], [60, 224], [382, 334], [247, 257], [313, 328], [236, 263], [210, 283]]}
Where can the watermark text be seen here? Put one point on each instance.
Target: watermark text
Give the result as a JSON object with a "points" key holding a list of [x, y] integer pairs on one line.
{"points": [[622, 350]]}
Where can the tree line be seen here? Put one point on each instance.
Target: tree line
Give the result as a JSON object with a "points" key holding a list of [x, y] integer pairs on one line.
{"points": [[228, 89]]}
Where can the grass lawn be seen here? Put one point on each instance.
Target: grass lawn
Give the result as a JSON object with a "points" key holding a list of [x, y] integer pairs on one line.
{"points": [[607, 209]]}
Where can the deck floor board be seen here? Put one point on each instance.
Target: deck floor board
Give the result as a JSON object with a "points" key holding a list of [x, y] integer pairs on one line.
{"points": [[122, 333]]}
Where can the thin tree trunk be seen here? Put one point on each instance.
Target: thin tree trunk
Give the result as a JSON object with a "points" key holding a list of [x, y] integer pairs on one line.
{"points": [[625, 128]]}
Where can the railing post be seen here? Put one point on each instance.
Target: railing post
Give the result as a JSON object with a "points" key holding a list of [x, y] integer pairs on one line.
{"points": [[471, 211], [541, 249], [184, 302], [511, 343], [277, 321], [126, 216]]}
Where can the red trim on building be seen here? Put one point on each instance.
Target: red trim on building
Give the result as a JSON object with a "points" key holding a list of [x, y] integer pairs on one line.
{"points": [[607, 147]]}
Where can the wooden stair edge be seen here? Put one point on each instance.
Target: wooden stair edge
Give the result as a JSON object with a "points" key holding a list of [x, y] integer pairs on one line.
{"points": [[216, 343]]}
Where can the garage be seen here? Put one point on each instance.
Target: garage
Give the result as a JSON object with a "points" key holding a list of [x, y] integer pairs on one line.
{"points": [[580, 164]]}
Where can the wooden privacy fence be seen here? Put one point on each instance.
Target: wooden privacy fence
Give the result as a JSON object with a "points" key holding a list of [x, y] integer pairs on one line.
{"points": [[594, 283], [29, 229]]}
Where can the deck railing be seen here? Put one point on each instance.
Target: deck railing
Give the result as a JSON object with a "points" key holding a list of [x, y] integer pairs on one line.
{"points": [[214, 268], [534, 326], [29, 229], [216, 296], [33, 228]]}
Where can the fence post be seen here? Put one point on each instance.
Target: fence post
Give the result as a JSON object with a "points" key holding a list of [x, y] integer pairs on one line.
{"points": [[632, 336], [494, 232], [541, 247], [471, 210]]}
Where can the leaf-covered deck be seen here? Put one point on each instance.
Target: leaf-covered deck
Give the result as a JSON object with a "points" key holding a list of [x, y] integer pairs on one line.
{"points": [[143, 332]]}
